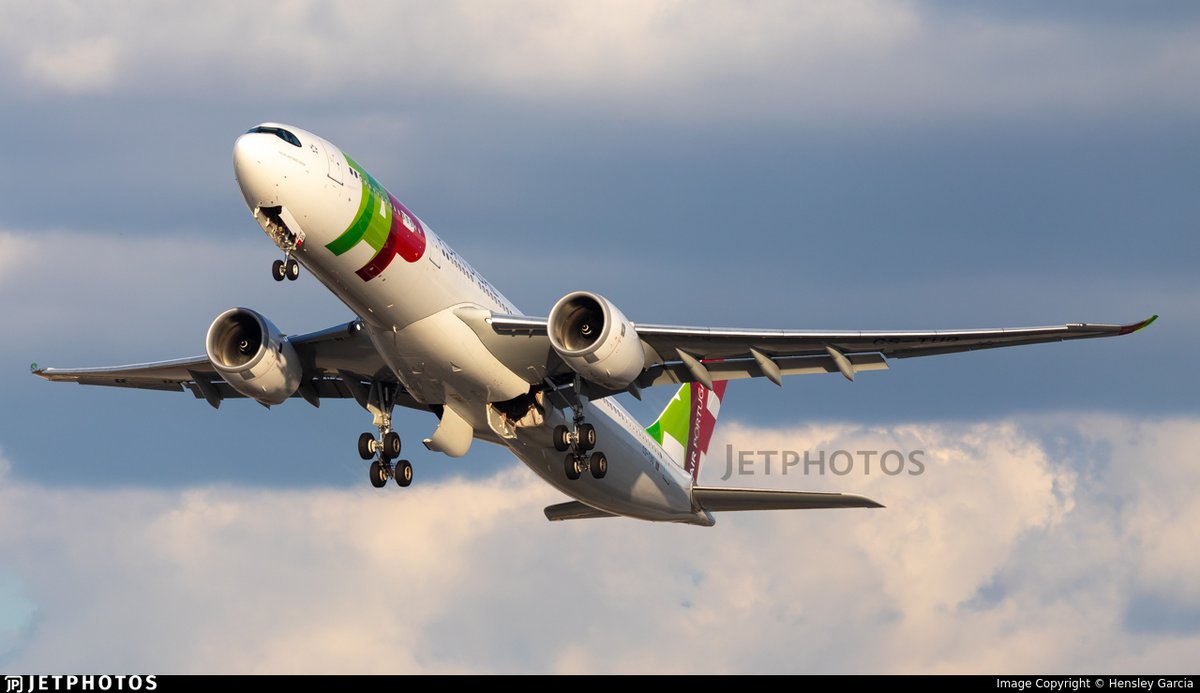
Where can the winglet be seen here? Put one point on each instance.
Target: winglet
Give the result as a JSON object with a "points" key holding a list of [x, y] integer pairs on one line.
{"points": [[1130, 329]]}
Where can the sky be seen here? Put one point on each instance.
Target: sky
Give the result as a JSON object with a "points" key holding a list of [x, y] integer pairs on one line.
{"points": [[824, 165]]}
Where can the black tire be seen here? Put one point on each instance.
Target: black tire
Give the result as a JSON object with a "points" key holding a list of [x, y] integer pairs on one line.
{"points": [[562, 438], [599, 465], [391, 445], [587, 437], [293, 269], [365, 444], [278, 271], [378, 474], [571, 467], [404, 473]]}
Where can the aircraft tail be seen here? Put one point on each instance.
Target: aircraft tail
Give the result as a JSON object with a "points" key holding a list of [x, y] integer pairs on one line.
{"points": [[685, 427]]}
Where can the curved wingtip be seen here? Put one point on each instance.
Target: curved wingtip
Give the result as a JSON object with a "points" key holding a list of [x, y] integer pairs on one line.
{"points": [[1130, 329]]}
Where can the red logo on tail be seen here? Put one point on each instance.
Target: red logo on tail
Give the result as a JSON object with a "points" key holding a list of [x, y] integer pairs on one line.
{"points": [[701, 425]]}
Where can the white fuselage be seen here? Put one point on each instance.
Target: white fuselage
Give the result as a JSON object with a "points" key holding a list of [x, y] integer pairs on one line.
{"points": [[425, 313]]}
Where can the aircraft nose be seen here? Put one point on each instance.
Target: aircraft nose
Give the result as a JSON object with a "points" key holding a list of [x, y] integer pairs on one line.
{"points": [[251, 166]]}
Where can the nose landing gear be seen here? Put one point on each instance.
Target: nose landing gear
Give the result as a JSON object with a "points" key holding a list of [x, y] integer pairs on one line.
{"points": [[287, 268], [283, 229]]}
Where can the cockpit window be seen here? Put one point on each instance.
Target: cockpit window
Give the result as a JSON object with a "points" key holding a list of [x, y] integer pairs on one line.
{"points": [[278, 132]]}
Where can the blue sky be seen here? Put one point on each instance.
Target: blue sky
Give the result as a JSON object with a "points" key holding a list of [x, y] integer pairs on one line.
{"points": [[852, 165]]}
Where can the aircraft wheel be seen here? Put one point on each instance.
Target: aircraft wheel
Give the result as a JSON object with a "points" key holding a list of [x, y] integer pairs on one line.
{"points": [[278, 270], [292, 268], [378, 474], [599, 465], [571, 465], [366, 446], [403, 473], [391, 445], [562, 438], [587, 437]]}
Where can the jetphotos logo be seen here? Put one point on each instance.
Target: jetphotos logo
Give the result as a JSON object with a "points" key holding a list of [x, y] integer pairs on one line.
{"points": [[33, 684], [822, 462], [382, 223]]}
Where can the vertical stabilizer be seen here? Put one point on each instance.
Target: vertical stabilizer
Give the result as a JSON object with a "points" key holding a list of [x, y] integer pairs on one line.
{"points": [[685, 427]]}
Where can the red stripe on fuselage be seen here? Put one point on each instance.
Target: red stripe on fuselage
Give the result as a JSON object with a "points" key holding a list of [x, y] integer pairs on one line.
{"points": [[406, 238]]}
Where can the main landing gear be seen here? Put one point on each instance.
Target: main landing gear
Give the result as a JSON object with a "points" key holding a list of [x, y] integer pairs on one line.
{"points": [[382, 450], [580, 439]]}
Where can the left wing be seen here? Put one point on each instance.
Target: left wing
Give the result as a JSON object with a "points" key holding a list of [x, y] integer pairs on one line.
{"points": [[339, 362], [704, 354]]}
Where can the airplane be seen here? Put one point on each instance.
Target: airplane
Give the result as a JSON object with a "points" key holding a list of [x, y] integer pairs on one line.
{"points": [[432, 334]]}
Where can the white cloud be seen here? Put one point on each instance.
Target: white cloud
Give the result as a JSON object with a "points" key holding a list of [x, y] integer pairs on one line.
{"points": [[863, 60], [82, 65], [15, 252], [1007, 554]]}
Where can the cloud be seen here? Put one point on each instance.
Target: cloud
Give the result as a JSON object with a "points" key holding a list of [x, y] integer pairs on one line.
{"points": [[862, 60], [86, 65], [15, 251], [1008, 553]]}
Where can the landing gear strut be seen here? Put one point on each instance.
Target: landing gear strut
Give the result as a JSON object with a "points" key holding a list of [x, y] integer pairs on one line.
{"points": [[386, 447]]}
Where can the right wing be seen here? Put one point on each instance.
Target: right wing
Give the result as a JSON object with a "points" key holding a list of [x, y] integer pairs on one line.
{"points": [[339, 362], [676, 354]]}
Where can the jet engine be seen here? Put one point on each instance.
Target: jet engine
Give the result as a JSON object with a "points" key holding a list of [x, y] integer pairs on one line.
{"points": [[595, 339], [253, 356]]}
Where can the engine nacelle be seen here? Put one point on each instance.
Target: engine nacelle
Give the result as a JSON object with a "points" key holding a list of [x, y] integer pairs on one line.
{"points": [[596, 340], [253, 356]]}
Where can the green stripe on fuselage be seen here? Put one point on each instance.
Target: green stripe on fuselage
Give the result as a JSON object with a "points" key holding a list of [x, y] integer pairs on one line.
{"points": [[381, 221], [368, 224]]}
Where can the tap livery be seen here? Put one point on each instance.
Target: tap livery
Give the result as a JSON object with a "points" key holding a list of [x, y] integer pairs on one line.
{"points": [[433, 334]]}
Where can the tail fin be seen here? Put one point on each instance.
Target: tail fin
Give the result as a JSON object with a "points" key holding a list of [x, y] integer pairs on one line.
{"points": [[685, 426]]}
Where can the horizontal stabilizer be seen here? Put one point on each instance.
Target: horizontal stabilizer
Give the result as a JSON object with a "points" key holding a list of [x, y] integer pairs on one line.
{"points": [[726, 499], [574, 510]]}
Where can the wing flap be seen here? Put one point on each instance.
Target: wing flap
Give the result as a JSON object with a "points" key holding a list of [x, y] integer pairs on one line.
{"points": [[134, 383], [737, 369], [716, 499]]}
